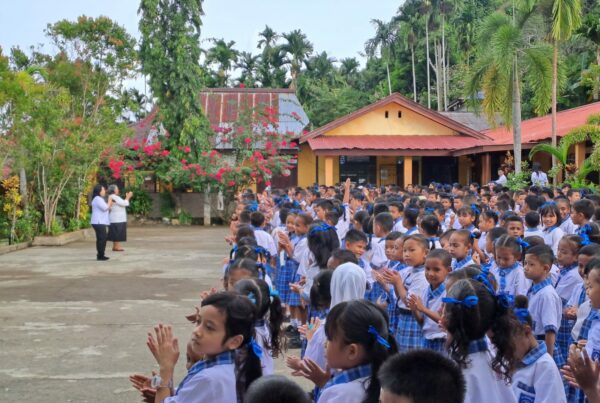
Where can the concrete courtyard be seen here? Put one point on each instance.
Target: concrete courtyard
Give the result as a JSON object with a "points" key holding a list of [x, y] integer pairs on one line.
{"points": [[74, 329]]}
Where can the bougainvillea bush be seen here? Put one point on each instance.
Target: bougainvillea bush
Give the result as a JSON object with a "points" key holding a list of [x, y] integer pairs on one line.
{"points": [[251, 150]]}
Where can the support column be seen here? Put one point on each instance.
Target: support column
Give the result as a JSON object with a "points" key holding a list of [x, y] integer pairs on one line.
{"points": [[408, 171], [486, 168], [328, 171], [579, 154]]}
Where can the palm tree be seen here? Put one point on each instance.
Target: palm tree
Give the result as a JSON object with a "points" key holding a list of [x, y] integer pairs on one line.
{"points": [[506, 58], [297, 48], [349, 69], [248, 65], [566, 19], [224, 56], [321, 66], [268, 38], [382, 43]]}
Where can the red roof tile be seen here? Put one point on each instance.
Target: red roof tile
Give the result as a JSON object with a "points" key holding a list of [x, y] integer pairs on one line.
{"points": [[540, 128]]}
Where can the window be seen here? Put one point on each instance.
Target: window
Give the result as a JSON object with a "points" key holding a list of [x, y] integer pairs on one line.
{"points": [[399, 114], [387, 114]]}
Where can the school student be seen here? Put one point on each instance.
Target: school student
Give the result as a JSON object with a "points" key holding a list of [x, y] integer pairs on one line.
{"points": [[537, 378], [564, 206], [551, 220], [488, 220], [514, 226], [532, 225], [421, 376], [427, 308], [545, 306], [470, 312], [263, 238], [508, 270], [468, 216], [582, 212], [358, 342], [226, 327], [460, 247]]}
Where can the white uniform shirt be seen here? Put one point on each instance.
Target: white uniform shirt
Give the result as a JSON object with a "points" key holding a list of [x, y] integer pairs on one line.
{"points": [[568, 227], [534, 232], [315, 348], [539, 178], [414, 282], [377, 258], [582, 313], [539, 379], [263, 338], [99, 212], [349, 392], [554, 273], [553, 237], [216, 384], [545, 308], [432, 330], [343, 224], [482, 241], [265, 240], [567, 282], [514, 282], [118, 210], [593, 342], [483, 384], [398, 226]]}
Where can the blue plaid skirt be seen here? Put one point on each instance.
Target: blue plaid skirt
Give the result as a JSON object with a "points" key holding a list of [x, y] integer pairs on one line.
{"points": [[409, 334], [294, 299], [392, 310], [375, 293], [563, 337], [285, 275], [438, 345]]}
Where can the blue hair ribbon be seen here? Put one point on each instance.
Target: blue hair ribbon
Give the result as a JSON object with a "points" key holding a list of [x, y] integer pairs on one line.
{"points": [[252, 297], [475, 209], [548, 203], [320, 228], [486, 267], [378, 337], [468, 302], [252, 207], [273, 293], [255, 348], [262, 251], [506, 300], [584, 233], [524, 245], [522, 314], [429, 210], [482, 278]]}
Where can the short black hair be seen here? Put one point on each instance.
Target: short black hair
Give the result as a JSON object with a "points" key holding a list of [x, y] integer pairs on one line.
{"points": [[385, 220], [532, 219], [543, 253], [354, 235], [257, 219], [392, 236], [344, 256], [496, 233], [585, 207], [275, 389], [442, 254], [423, 376], [534, 202]]}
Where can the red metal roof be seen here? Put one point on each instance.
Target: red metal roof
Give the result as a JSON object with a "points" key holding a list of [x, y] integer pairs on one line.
{"points": [[444, 144], [540, 128]]}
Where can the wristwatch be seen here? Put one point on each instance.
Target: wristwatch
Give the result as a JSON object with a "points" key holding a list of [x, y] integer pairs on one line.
{"points": [[157, 382]]}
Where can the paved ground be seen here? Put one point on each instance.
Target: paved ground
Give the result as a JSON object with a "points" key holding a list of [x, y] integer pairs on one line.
{"points": [[73, 329]]}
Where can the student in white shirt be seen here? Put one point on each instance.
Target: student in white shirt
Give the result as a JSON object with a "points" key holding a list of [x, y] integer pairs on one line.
{"points": [[564, 206], [427, 308], [538, 178], [226, 324], [532, 225], [100, 219], [469, 347], [263, 238], [501, 178], [551, 220], [545, 306], [460, 247], [358, 342], [537, 378], [117, 232], [508, 270]]}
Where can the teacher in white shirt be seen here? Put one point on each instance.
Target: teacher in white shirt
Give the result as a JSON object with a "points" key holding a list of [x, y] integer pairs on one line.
{"points": [[117, 232], [100, 221], [538, 178], [501, 178]]}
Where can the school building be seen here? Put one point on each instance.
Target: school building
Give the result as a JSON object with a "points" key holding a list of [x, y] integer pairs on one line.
{"points": [[397, 141]]}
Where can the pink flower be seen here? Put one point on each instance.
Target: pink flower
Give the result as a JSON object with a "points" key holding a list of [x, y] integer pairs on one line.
{"points": [[242, 85], [186, 149], [130, 168], [268, 145], [247, 140], [268, 183], [165, 153], [231, 183], [183, 162]]}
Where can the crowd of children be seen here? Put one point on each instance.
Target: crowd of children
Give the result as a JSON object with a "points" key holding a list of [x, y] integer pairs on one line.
{"points": [[425, 294]]}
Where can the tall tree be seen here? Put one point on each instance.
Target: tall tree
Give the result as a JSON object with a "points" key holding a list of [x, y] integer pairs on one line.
{"points": [[224, 56], [382, 43], [248, 64], [268, 38], [508, 57], [566, 19], [170, 57], [407, 34], [297, 48]]}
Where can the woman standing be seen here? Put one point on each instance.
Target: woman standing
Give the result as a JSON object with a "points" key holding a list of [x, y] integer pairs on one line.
{"points": [[118, 217], [100, 221]]}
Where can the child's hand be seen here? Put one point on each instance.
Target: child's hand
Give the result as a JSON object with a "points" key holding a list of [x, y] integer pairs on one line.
{"points": [[392, 277], [312, 371], [294, 363], [139, 381], [570, 312], [378, 277], [302, 280], [195, 317], [167, 351], [415, 303], [206, 294], [476, 258], [585, 371], [296, 287], [308, 331]]}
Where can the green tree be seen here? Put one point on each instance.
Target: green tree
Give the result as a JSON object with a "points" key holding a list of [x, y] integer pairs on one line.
{"points": [[224, 56], [566, 19], [382, 43], [508, 57], [170, 57], [297, 49], [248, 64]]}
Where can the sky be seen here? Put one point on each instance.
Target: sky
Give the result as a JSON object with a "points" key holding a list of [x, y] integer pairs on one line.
{"points": [[338, 27]]}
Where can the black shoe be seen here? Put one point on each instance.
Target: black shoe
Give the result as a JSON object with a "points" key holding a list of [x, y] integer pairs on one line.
{"points": [[102, 258]]}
